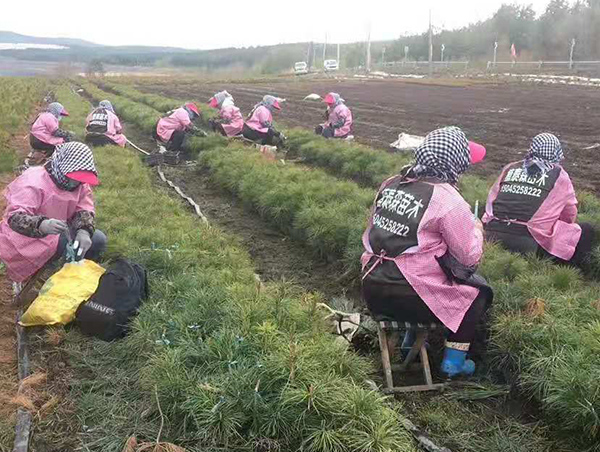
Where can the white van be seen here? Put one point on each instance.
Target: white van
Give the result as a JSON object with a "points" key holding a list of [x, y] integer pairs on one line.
{"points": [[300, 68], [331, 65]]}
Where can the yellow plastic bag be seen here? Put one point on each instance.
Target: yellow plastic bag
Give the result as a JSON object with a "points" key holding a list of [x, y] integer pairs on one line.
{"points": [[62, 294]]}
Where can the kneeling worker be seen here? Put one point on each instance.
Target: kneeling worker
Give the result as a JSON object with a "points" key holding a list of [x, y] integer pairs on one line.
{"points": [[45, 133], [532, 207], [423, 246], [231, 121], [339, 118], [259, 127], [44, 207], [103, 127], [172, 129]]}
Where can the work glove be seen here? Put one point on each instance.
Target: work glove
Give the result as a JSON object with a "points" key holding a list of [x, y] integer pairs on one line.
{"points": [[70, 136], [53, 227], [82, 244]]}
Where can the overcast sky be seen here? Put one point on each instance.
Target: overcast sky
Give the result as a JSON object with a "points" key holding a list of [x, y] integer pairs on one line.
{"points": [[208, 24]]}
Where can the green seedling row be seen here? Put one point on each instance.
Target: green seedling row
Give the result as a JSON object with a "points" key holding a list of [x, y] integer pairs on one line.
{"points": [[236, 365]]}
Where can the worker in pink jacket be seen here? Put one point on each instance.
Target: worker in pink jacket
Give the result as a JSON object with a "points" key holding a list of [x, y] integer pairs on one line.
{"points": [[423, 246], [172, 129], [45, 132], [103, 127], [259, 125], [339, 118], [231, 121], [532, 207], [46, 206]]}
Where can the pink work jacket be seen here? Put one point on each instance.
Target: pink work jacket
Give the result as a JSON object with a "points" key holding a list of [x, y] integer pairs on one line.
{"points": [[179, 121], [43, 128]]}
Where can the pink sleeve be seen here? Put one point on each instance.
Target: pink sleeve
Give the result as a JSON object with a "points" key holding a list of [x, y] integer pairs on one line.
{"points": [[118, 126], [464, 240], [86, 199], [264, 116], [184, 118], [50, 123], [565, 187], [489, 210], [23, 198]]}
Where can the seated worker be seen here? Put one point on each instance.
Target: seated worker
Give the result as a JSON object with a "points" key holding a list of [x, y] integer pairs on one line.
{"points": [[45, 207], [45, 134], [259, 127], [172, 129], [532, 207], [339, 118], [103, 127], [231, 121], [423, 246]]}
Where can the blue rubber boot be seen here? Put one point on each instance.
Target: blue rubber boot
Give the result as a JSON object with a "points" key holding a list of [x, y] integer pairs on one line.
{"points": [[455, 363]]}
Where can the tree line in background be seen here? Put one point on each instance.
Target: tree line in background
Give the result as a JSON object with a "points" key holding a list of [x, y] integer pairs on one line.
{"points": [[547, 37]]}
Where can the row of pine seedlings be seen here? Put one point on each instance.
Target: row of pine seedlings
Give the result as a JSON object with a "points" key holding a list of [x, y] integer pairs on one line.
{"points": [[545, 324], [233, 365]]}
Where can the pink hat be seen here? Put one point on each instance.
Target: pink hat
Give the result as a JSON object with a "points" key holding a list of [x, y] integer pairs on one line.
{"points": [[213, 102], [478, 152], [64, 112], [329, 99], [85, 177], [192, 107]]}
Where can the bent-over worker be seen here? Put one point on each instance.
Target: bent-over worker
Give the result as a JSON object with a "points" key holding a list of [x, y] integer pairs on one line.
{"points": [[423, 246], [45, 133], [231, 121], [339, 118], [172, 129], [259, 127], [532, 207], [46, 206], [103, 127]]}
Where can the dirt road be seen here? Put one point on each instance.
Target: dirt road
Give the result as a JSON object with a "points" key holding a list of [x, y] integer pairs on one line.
{"points": [[503, 117]]}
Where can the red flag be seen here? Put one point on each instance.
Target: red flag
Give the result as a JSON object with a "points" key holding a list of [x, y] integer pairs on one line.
{"points": [[513, 51]]}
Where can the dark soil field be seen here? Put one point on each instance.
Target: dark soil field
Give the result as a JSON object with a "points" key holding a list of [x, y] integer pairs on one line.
{"points": [[503, 117]]}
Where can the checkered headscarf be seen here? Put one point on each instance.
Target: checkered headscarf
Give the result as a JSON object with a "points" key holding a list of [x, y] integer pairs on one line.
{"points": [[106, 105], [544, 153], [444, 155], [68, 158]]}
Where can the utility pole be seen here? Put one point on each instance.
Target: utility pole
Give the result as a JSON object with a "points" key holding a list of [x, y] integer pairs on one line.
{"points": [[406, 50], [430, 47], [442, 48], [325, 47], [383, 56], [573, 42], [338, 53], [495, 52], [369, 49]]}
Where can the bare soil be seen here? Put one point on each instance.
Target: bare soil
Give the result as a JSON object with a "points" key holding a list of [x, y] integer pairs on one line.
{"points": [[503, 117]]}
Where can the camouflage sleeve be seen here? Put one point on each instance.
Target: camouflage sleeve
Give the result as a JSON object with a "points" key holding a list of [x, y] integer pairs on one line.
{"points": [[61, 133], [83, 219], [26, 224]]}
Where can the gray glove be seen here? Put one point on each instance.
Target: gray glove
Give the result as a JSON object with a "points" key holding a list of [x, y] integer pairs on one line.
{"points": [[82, 244], [53, 227]]}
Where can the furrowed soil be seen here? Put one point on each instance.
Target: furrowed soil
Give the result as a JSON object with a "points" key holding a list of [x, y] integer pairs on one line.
{"points": [[503, 117]]}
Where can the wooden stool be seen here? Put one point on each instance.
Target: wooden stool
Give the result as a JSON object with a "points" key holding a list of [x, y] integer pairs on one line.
{"points": [[419, 348]]}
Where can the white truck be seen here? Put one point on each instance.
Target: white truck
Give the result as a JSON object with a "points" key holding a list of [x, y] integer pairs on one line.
{"points": [[300, 68], [331, 65]]}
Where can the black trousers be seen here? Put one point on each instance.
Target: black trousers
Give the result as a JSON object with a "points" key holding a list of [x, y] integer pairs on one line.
{"points": [[176, 141], [269, 137], [39, 145], [99, 140], [523, 243], [399, 301]]}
